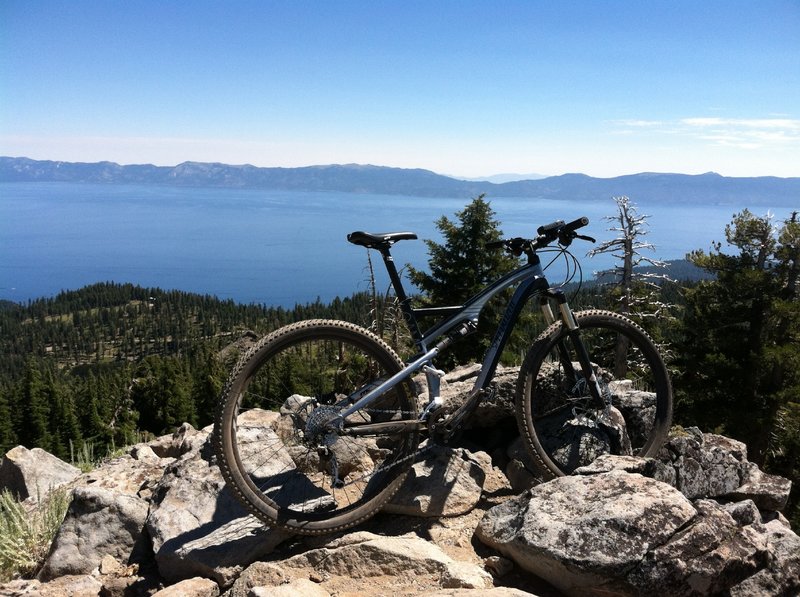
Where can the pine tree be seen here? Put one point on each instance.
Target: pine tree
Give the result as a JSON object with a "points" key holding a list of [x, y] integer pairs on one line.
{"points": [[462, 266], [35, 432], [741, 352], [208, 378], [63, 425], [93, 427], [8, 438]]}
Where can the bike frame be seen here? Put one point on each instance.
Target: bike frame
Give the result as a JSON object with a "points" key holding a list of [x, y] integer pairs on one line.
{"points": [[462, 321]]}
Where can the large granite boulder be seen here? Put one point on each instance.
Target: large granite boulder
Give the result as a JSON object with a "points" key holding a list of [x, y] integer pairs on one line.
{"points": [[584, 533], [445, 482]]}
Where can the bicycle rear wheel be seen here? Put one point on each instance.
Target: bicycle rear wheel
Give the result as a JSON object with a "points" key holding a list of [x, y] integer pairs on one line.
{"points": [[563, 426], [277, 447]]}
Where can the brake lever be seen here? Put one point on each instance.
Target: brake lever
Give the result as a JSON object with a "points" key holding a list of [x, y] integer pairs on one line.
{"points": [[589, 238]]}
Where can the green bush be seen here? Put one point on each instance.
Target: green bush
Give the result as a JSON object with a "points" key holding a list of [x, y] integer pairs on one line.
{"points": [[25, 536]]}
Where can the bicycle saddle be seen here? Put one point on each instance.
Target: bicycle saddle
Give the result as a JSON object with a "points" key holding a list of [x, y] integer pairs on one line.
{"points": [[372, 240]]}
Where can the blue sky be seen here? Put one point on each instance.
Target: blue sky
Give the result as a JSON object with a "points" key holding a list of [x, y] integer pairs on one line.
{"points": [[467, 88]]}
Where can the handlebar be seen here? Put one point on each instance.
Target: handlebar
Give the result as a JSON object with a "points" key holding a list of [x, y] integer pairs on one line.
{"points": [[565, 233]]}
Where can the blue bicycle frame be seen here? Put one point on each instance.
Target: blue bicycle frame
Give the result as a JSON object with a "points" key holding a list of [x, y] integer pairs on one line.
{"points": [[463, 320]]}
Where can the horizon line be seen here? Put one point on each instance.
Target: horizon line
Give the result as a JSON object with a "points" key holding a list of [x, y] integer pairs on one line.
{"points": [[377, 166]]}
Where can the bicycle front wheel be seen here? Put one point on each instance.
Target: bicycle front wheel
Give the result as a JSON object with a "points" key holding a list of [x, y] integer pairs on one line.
{"points": [[284, 449], [563, 425]]}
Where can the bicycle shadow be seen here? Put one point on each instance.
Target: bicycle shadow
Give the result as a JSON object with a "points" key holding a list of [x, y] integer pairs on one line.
{"points": [[445, 481]]}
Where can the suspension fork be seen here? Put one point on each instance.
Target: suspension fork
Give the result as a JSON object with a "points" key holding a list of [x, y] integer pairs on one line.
{"points": [[573, 331]]}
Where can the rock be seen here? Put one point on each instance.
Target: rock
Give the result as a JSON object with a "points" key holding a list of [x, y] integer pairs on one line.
{"points": [[364, 554], [259, 574], [768, 492], [498, 566], [191, 587], [618, 526], [709, 465], [744, 512], [519, 476], [520, 470], [197, 527], [781, 575], [32, 473], [448, 482], [775, 517], [181, 442], [584, 533], [707, 558], [127, 475], [706, 465], [110, 565], [98, 523], [495, 592], [143, 452], [72, 586], [457, 384], [648, 467]]}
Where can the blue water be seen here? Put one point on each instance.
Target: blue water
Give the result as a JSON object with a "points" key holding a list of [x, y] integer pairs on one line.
{"points": [[271, 247]]}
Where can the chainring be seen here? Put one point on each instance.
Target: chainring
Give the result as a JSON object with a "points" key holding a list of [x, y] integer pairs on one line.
{"points": [[437, 427]]}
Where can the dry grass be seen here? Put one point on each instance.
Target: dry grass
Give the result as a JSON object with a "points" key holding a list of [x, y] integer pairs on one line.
{"points": [[26, 535]]}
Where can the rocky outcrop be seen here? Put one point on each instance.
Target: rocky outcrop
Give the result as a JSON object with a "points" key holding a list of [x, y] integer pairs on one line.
{"points": [[196, 526], [366, 555], [709, 465], [632, 526], [699, 520]]}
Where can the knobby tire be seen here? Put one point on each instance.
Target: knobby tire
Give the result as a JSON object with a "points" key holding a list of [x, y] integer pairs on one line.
{"points": [[561, 424]]}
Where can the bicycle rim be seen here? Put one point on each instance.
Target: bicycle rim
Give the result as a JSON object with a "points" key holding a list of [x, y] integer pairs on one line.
{"points": [[283, 460]]}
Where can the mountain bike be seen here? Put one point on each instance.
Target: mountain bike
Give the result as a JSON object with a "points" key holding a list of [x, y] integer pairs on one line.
{"points": [[320, 422]]}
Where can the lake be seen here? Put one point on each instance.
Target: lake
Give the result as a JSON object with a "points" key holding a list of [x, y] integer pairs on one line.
{"points": [[270, 247]]}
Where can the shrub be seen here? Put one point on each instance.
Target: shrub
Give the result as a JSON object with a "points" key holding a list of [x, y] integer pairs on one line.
{"points": [[25, 536]]}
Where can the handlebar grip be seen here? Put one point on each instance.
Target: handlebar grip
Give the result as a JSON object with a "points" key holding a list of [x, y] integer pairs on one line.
{"points": [[550, 227], [574, 225]]}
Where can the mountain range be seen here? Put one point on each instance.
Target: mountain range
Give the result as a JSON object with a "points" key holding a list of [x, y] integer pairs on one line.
{"points": [[710, 188]]}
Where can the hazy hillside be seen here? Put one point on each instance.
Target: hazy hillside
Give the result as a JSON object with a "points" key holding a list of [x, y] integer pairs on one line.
{"points": [[353, 178]]}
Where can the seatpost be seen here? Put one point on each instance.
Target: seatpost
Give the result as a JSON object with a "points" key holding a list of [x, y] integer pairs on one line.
{"points": [[397, 283]]}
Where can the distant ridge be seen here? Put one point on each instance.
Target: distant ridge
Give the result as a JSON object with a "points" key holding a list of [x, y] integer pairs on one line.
{"points": [[355, 178]]}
